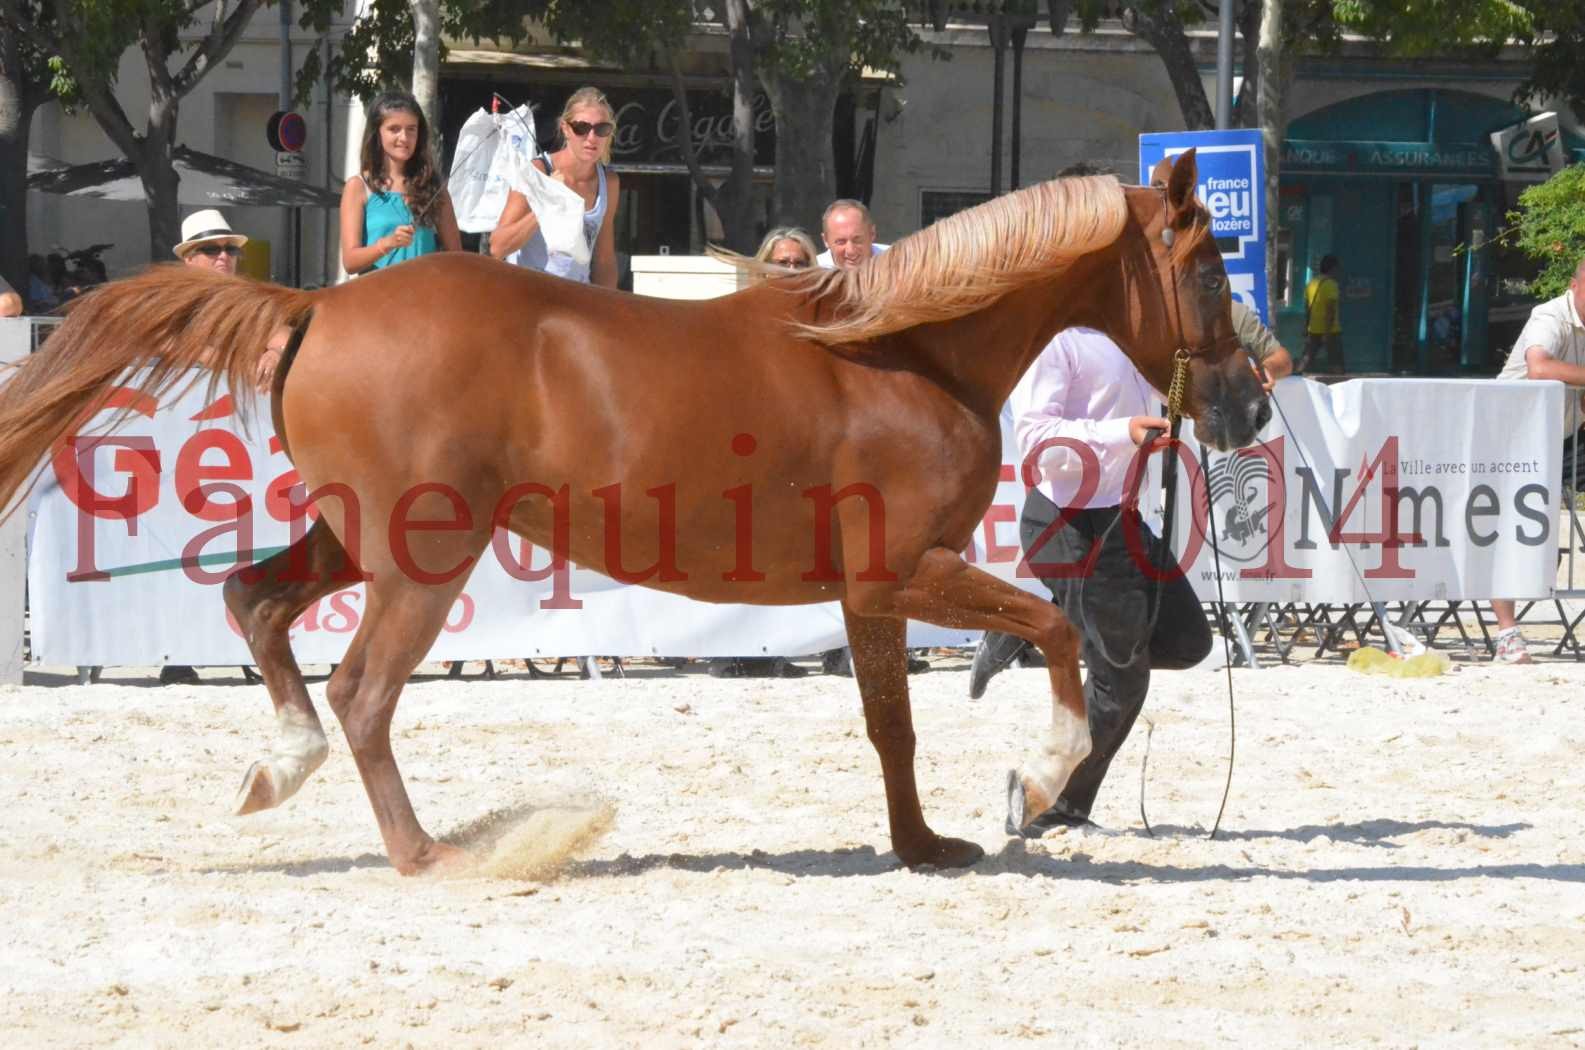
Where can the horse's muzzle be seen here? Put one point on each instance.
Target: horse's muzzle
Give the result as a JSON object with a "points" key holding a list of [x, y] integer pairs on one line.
{"points": [[1234, 414]]}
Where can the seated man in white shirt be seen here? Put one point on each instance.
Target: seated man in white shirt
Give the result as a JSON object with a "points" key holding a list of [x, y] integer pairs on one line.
{"points": [[10, 301], [1552, 346], [849, 233], [1082, 388]]}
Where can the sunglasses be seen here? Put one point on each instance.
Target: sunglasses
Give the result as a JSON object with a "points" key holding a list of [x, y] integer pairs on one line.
{"points": [[580, 128], [214, 251]]}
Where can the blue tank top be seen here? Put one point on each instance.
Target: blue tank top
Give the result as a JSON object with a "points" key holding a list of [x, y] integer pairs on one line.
{"points": [[383, 212], [536, 256]]}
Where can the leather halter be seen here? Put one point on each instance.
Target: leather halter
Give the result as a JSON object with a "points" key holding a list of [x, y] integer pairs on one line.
{"points": [[1180, 357]]}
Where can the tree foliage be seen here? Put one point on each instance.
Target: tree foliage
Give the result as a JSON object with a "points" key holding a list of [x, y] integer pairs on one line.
{"points": [[1549, 227], [1557, 54], [378, 50], [1416, 28]]}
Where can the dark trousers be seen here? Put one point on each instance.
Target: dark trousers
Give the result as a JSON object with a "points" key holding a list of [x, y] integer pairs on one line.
{"points": [[1323, 353], [1111, 608]]}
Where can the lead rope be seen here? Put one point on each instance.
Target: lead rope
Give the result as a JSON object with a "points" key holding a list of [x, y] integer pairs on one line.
{"points": [[1175, 393]]}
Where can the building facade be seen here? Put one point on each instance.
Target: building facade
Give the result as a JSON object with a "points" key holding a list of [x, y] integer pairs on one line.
{"points": [[1387, 163]]}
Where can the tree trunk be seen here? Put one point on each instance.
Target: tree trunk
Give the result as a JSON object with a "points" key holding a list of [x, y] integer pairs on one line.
{"points": [[805, 160], [426, 62], [734, 201], [1274, 127], [157, 170], [1163, 30], [16, 117], [1246, 108]]}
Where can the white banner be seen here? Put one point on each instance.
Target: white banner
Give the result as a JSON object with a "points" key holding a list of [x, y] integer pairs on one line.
{"points": [[123, 571], [132, 533], [1384, 490]]}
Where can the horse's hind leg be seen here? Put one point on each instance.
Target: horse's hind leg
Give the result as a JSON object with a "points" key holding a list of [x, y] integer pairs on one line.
{"points": [[880, 664], [402, 620], [265, 600]]}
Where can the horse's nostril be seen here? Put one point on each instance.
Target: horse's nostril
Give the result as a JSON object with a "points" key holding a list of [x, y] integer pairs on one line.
{"points": [[1262, 413]]}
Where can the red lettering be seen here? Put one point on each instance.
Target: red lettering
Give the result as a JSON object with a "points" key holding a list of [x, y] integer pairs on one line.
{"points": [[1391, 540], [664, 568], [461, 520], [743, 571], [1133, 525], [825, 500], [343, 616], [193, 556], [1089, 481], [1276, 566], [561, 525], [996, 514], [192, 473], [463, 606], [73, 463], [309, 621]]}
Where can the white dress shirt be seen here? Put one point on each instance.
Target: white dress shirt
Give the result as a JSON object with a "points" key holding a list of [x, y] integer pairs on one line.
{"points": [[1083, 387]]}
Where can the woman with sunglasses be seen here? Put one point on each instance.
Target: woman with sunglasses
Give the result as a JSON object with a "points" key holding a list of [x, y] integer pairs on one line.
{"points": [[787, 246], [586, 127], [397, 208]]}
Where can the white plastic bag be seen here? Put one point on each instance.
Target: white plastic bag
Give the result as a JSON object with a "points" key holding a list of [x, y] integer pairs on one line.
{"points": [[558, 207], [476, 197]]}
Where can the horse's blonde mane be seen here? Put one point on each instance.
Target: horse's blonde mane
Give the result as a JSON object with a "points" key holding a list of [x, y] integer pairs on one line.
{"points": [[963, 262]]}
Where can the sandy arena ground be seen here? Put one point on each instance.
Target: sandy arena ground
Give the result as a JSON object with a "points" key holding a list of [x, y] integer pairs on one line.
{"points": [[1401, 864]]}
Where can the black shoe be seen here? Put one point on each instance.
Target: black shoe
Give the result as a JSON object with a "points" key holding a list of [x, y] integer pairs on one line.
{"points": [[917, 666], [837, 661], [995, 652], [785, 668], [177, 674]]}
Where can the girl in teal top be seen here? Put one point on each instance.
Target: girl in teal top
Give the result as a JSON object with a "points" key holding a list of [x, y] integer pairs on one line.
{"points": [[397, 208]]}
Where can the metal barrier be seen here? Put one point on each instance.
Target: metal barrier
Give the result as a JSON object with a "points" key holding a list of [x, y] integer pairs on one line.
{"points": [[19, 337]]}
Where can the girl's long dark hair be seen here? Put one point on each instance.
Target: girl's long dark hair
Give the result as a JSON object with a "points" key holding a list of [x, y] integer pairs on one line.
{"points": [[423, 176]]}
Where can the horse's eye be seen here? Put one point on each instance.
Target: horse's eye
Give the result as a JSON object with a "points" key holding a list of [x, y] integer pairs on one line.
{"points": [[1213, 283]]}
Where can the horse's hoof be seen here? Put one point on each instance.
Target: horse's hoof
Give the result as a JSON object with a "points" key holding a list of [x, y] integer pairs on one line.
{"points": [[943, 852], [1026, 800], [436, 859], [257, 791]]}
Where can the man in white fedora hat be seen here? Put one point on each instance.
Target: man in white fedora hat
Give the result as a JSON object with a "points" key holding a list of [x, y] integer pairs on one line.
{"points": [[209, 241]]}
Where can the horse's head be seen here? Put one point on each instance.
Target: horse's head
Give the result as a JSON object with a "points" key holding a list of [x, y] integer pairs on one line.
{"points": [[1224, 397]]}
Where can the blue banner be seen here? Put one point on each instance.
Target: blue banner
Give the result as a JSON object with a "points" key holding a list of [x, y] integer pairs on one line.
{"points": [[1232, 186]]}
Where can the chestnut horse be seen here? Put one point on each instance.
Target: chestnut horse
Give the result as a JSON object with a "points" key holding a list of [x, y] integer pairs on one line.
{"points": [[821, 436]]}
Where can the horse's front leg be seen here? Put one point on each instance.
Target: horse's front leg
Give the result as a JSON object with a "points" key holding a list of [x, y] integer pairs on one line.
{"points": [[880, 665], [946, 591]]}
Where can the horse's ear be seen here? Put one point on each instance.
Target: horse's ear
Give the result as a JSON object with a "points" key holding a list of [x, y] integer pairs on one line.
{"points": [[1161, 173], [1180, 187]]}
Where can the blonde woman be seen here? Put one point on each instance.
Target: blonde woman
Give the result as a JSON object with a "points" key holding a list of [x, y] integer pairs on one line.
{"points": [[586, 127], [787, 246]]}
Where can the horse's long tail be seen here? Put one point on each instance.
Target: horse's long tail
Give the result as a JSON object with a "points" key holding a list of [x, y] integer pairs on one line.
{"points": [[165, 321]]}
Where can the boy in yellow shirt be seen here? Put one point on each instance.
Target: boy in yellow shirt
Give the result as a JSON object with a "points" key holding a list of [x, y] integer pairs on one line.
{"points": [[1323, 328]]}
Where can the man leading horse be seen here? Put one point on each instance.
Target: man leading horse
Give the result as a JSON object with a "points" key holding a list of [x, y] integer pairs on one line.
{"points": [[820, 436]]}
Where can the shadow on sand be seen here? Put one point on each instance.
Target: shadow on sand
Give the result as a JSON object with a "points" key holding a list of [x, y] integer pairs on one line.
{"points": [[1072, 862]]}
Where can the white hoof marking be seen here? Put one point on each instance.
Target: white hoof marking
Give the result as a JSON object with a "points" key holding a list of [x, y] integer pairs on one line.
{"points": [[1067, 744], [300, 748]]}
